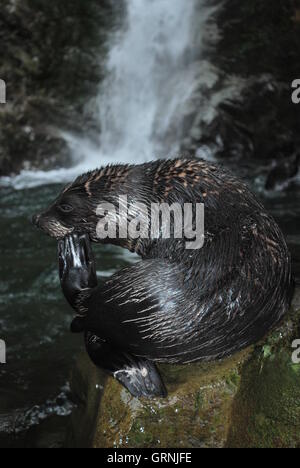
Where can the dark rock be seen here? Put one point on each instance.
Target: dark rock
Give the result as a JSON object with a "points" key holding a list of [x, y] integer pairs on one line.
{"points": [[258, 50], [283, 172], [249, 400], [50, 63], [259, 38]]}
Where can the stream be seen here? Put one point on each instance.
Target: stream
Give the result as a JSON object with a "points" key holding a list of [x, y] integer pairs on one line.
{"points": [[140, 119]]}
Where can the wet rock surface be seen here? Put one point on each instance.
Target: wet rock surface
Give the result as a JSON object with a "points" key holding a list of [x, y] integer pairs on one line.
{"points": [[249, 400], [256, 60], [50, 63], [48, 49], [282, 172]]}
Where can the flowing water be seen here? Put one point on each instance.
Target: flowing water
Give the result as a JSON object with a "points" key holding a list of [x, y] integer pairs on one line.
{"points": [[150, 75], [144, 90], [141, 104], [35, 318]]}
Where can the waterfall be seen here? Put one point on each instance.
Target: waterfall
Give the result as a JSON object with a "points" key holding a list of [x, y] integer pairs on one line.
{"points": [[145, 85], [149, 79]]}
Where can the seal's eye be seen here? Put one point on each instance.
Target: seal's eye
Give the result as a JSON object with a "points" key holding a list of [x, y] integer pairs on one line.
{"points": [[65, 208]]}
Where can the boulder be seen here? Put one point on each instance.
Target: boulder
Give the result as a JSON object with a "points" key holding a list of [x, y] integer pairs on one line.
{"points": [[249, 400], [52, 63]]}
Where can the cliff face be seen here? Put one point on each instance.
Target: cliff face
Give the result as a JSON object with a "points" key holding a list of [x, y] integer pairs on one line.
{"points": [[250, 400], [50, 63], [255, 120]]}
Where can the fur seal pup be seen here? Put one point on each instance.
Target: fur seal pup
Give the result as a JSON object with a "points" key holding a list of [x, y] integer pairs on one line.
{"points": [[176, 305]]}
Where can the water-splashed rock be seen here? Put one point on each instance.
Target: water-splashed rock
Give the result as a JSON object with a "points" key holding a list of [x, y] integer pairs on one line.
{"points": [[249, 400]]}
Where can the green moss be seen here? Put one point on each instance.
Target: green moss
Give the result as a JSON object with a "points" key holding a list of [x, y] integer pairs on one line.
{"points": [[195, 413], [249, 400], [199, 400], [266, 410]]}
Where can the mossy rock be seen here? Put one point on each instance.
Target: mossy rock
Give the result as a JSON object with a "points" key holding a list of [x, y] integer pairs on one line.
{"points": [[266, 410], [249, 400]]}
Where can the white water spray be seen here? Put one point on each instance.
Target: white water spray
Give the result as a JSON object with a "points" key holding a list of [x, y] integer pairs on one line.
{"points": [[150, 77]]}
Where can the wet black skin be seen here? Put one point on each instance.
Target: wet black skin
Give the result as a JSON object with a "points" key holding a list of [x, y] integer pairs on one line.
{"points": [[175, 305], [78, 279], [77, 275]]}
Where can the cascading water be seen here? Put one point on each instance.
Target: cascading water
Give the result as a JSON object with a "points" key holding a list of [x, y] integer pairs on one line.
{"points": [[141, 106], [156, 75], [145, 86], [150, 77]]}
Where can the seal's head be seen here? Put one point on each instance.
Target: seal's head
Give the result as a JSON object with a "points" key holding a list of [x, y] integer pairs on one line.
{"points": [[75, 209], [72, 211]]}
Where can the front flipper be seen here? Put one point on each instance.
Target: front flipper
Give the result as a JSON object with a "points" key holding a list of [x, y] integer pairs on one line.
{"points": [[140, 376], [77, 274]]}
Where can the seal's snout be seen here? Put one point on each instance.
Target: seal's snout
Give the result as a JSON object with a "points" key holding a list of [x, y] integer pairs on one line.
{"points": [[51, 225]]}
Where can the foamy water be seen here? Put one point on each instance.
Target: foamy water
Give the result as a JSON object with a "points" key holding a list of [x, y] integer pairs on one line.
{"points": [[151, 75]]}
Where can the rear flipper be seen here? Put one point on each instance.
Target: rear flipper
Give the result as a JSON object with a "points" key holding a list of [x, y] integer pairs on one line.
{"points": [[140, 376]]}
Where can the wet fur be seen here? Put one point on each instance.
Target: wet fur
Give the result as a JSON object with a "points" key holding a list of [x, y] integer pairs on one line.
{"points": [[177, 305]]}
